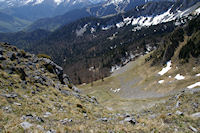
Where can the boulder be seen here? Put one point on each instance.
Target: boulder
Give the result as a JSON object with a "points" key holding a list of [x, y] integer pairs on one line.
{"points": [[196, 115], [65, 92], [131, 120], [179, 112], [65, 121], [2, 57], [11, 95], [26, 125]]}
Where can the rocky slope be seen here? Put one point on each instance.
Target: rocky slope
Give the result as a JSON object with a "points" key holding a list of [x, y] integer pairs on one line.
{"points": [[36, 94], [37, 97]]}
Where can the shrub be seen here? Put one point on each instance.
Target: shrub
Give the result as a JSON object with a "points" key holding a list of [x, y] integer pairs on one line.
{"points": [[23, 53], [50, 68], [43, 56]]}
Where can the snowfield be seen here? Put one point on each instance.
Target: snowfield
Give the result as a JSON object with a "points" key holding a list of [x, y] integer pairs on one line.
{"points": [[194, 85], [179, 77], [166, 69]]}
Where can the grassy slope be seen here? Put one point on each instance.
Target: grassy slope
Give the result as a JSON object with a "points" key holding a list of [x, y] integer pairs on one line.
{"points": [[139, 83]]}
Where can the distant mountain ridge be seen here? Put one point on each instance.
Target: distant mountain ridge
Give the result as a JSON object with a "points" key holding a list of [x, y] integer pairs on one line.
{"points": [[36, 9], [111, 8], [44, 10]]}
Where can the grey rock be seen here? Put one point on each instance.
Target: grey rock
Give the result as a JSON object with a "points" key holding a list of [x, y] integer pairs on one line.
{"points": [[40, 127], [35, 60], [85, 115], [195, 105], [47, 114], [178, 104], [193, 129], [169, 114], [26, 125], [65, 121], [39, 119], [51, 131], [18, 104], [92, 100], [153, 116], [66, 92], [32, 117], [131, 120], [179, 112], [196, 115], [25, 117], [104, 119], [8, 109], [127, 115], [12, 95], [74, 88], [2, 57], [66, 79]]}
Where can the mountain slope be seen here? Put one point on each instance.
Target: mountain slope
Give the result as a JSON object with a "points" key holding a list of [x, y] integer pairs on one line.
{"points": [[35, 99], [103, 43], [36, 9], [151, 9], [10, 24], [54, 23], [151, 78], [99, 10], [100, 45]]}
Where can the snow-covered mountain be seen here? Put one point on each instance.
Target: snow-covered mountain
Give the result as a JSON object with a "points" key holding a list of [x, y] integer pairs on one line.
{"points": [[36, 9], [17, 3]]}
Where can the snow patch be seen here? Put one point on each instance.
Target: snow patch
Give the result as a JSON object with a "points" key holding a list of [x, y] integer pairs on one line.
{"points": [[107, 27], [114, 68], [28, 1], [194, 85], [92, 30], [137, 28], [82, 30], [38, 2], [115, 2], [166, 69], [127, 20], [119, 25], [58, 1], [179, 77], [112, 37]]}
